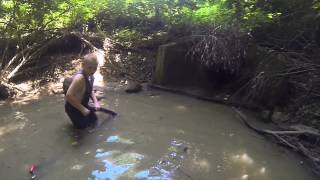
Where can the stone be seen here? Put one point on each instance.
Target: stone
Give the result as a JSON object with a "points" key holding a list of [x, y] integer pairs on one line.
{"points": [[279, 117], [265, 115], [133, 87]]}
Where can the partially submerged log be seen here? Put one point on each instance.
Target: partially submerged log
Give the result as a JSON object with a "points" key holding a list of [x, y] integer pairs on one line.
{"points": [[296, 138], [223, 99], [133, 87]]}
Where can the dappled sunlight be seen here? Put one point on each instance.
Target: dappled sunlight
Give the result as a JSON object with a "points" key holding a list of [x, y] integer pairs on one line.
{"points": [[77, 167], [26, 99], [262, 170], [239, 160], [11, 127], [26, 94], [244, 159], [128, 64], [18, 123], [243, 166], [2, 103], [117, 58], [100, 57], [99, 81], [19, 115], [27, 86], [54, 87], [181, 107], [245, 177], [202, 163], [76, 63], [107, 45]]}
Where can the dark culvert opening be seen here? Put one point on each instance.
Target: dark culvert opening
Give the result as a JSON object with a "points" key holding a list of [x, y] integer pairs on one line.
{"points": [[219, 78]]}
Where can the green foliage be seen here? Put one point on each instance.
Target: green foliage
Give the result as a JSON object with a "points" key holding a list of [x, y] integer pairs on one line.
{"points": [[127, 36], [19, 17], [212, 14], [316, 6], [24, 16]]}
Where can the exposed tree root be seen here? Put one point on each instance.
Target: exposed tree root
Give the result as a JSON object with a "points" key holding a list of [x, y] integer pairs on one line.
{"points": [[302, 139]]}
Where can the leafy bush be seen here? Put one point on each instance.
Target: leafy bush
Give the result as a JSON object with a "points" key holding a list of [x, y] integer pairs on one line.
{"points": [[212, 15], [127, 36]]}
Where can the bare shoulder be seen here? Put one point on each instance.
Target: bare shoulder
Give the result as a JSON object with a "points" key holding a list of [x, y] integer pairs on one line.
{"points": [[78, 81], [78, 78], [77, 85]]}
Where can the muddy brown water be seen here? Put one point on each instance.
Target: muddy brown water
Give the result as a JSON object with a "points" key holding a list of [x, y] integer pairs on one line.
{"points": [[157, 135]]}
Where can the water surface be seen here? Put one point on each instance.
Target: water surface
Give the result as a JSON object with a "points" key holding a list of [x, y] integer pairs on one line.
{"points": [[157, 135]]}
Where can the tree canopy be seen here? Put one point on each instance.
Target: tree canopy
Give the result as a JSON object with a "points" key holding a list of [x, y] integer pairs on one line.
{"points": [[19, 16]]}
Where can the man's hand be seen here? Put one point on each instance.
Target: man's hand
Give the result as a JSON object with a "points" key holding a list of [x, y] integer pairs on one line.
{"points": [[97, 105], [85, 112]]}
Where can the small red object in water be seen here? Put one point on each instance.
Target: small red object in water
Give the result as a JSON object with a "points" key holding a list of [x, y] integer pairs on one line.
{"points": [[32, 169]]}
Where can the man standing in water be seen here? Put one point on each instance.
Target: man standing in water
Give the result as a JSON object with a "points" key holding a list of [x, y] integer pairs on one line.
{"points": [[79, 93]]}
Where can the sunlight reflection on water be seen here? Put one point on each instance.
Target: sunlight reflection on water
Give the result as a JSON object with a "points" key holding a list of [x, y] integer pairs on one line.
{"points": [[166, 167], [115, 164]]}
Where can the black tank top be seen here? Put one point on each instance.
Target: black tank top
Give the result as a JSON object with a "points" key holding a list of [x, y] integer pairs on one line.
{"points": [[88, 88]]}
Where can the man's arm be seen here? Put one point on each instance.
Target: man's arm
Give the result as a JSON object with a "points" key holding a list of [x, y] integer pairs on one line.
{"points": [[95, 101], [74, 89]]}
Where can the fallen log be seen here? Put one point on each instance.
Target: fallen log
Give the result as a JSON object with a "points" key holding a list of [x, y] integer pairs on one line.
{"points": [[33, 55], [27, 73], [217, 99]]}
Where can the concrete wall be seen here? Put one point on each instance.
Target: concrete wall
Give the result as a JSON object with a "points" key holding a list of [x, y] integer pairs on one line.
{"points": [[175, 69]]}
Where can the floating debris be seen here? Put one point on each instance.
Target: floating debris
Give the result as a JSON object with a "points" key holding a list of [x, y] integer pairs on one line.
{"points": [[77, 167], [32, 171]]}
